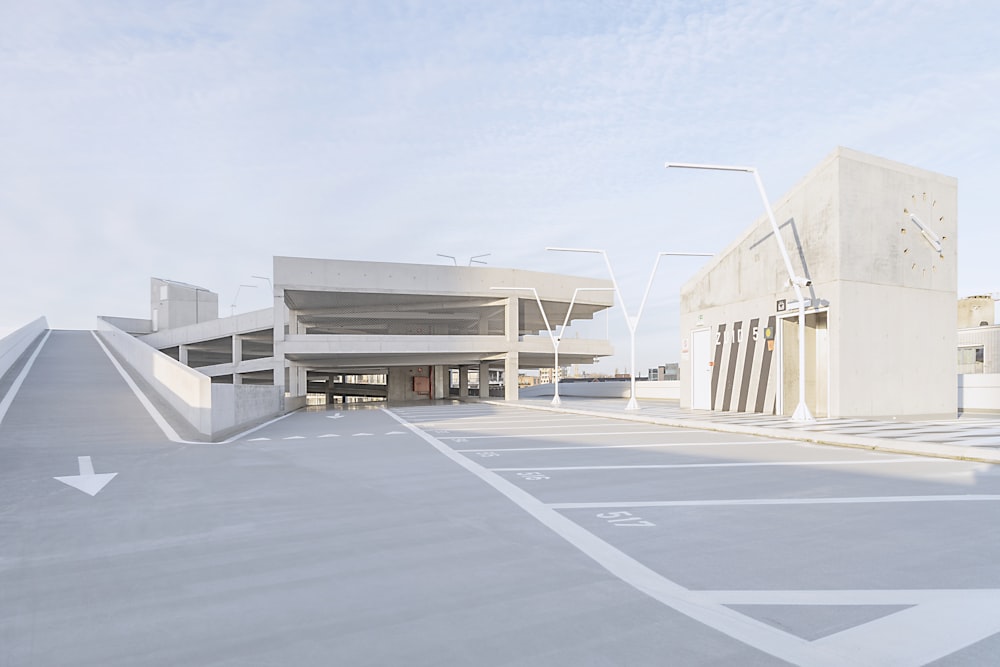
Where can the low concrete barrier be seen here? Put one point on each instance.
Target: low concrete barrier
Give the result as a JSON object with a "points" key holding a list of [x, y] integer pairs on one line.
{"points": [[239, 405], [665, 389], [979, 392], [669, 390], [185, 389], [14, 344], [211, 409], [132, 325]]}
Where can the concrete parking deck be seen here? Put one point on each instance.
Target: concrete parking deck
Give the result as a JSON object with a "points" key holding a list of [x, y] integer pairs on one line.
{"points": [[473, 534]]}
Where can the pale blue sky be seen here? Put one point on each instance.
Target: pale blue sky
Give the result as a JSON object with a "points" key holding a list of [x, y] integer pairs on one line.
{"points": [[194, 140]]}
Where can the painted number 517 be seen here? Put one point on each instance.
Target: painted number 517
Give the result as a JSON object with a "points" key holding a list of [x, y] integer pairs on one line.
{"points": [[624, 519]]}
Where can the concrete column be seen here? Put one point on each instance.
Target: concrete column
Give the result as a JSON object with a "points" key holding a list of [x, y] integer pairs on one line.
{"points": [[182, 354], [296, 380], [484, 379], [510, 368], [237, 358], [510, 362], [463, 381], [512, 324], [441, 381], [280, 318]]}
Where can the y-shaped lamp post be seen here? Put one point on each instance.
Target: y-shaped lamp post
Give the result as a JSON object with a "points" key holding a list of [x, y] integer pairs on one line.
{"points": [[630, 321], [555, 338]]}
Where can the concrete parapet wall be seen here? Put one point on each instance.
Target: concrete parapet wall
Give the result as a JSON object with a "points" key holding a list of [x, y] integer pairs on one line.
{"points": [[241, 405], [185, 389], [669, 390], [584, 389], [14, 344], [210, 409], [216, 328], [666, 389], [979, 392], [132, 325], [293, 403]]}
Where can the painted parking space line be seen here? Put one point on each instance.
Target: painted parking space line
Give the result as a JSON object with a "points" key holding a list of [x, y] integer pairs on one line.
{"points": [[947, 620], [528, 427], [642, 446], [777, 501], [546, 435], [644, 579], [739, 464], [529, 419], [934, 623]]}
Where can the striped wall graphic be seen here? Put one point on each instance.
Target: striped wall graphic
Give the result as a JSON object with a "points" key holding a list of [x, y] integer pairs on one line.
{"points": [[742, 368]]}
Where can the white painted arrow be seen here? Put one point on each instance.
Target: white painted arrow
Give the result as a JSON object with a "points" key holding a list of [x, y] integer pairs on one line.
{"points": [[87, 481], [334, 416]]}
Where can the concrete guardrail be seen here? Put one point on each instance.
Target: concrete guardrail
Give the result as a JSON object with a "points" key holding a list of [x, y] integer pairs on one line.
{"points": [[663, 389], [212, 410], [979, 392], [14, 344]]}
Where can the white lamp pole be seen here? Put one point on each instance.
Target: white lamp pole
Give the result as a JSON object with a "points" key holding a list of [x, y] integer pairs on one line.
{"points": [[801, 413], [556, 339], [630, 321], [232, 308]]}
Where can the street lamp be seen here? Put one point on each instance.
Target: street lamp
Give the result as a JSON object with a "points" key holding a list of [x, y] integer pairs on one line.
{"points": [[630, 321], [232, 308], [554, 338], [801, 413], [472, 260]]}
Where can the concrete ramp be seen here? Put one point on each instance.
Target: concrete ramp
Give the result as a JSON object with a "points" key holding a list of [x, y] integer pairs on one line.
{"points": [[73, 394]]}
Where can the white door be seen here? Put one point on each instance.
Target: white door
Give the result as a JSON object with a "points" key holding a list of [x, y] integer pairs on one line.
{"points": [[701, 369]]}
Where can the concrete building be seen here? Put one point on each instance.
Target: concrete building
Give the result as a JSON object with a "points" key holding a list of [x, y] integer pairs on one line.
{"points": [[978, 354], [877, 241], [350, 330], [665, 373]]}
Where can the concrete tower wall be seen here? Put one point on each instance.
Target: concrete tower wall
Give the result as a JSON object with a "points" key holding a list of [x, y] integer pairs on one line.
{"points": [[880, 335]]}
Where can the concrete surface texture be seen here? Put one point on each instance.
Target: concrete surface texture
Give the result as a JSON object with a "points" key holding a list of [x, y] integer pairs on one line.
{"points": [[473, 534]]}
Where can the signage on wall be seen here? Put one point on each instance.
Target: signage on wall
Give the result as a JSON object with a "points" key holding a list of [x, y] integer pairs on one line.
{"points": [[781, 305]]}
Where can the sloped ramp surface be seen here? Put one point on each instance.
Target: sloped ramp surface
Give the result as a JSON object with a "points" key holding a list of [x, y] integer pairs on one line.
{"points": [[72, 392]]}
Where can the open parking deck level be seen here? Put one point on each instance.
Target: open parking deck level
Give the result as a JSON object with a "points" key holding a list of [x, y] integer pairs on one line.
{"points": [[473, 534]]}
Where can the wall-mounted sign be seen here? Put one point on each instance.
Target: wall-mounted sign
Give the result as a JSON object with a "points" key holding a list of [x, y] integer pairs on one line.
{"points": [[781, 306]]}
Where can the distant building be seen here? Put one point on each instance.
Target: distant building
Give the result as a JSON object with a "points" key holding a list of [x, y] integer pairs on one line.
{"points": [[665, 372], [978, 336]]}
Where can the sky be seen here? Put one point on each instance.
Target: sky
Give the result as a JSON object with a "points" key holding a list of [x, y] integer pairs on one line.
{"points": [[194, 140]]}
